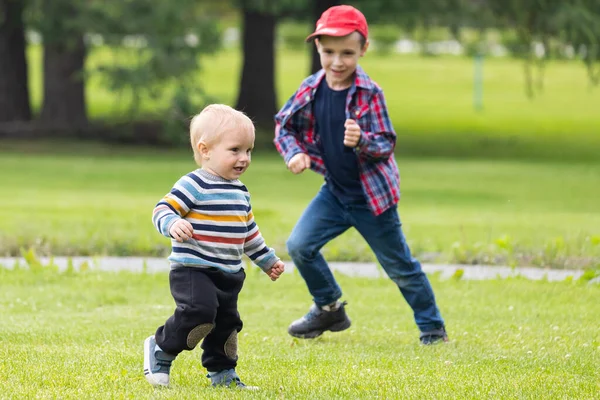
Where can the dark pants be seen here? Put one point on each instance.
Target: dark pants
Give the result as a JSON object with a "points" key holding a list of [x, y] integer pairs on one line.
{"points": [[206, 300]]}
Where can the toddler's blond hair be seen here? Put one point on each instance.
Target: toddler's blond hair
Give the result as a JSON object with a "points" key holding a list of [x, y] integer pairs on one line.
{"points": [[214, 121]]}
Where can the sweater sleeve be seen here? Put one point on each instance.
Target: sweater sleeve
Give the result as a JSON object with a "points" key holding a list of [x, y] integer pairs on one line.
{"points": [[255, 246], [171, 208]]}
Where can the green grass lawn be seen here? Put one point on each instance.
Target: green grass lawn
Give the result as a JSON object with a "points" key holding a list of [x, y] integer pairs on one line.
{"points": [[430, 101], [79, 199], [79, 335]]}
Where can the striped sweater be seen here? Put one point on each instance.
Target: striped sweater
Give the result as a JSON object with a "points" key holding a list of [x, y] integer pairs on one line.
{"points": [[221, 215]]}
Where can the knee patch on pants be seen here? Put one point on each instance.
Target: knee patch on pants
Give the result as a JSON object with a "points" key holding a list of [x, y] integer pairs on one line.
{"points": [[231, 345], [197, 334]]}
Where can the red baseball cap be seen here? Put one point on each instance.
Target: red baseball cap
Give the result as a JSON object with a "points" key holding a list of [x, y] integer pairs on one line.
{"points": [[340, 21]]}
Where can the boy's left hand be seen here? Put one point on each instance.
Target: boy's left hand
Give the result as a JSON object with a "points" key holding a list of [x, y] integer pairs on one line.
{"points": [[276, 270], [352, 133]]}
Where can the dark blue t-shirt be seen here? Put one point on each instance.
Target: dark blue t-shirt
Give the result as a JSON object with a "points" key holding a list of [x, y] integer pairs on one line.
{"points": [[341, 162]]}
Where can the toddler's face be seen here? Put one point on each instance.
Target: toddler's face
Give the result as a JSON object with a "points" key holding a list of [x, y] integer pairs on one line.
{"points": [[339, 58], [230, 157]]}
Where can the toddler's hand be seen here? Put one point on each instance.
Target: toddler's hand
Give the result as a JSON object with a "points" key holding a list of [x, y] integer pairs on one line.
{"points": [[181, 230], [352, 133], [276, 270], [299, 163]]}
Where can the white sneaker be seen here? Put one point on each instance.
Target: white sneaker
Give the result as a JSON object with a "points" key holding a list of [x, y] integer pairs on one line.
{"points": [[157, 363]]}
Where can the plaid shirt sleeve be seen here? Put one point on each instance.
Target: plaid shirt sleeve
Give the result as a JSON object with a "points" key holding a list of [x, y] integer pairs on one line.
{"points": [[380, 142], [287, 139]]}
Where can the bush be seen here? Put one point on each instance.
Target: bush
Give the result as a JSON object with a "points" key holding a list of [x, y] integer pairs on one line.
{"points": [[385, 38], [293, 35]]}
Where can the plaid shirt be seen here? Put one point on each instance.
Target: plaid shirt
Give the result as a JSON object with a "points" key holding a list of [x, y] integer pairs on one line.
{"points": [[295, 133]]}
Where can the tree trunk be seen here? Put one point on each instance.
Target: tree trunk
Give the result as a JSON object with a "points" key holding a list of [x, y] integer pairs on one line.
{"points": [[319, 6], [64, 86], [257, 96], [14, 86]]}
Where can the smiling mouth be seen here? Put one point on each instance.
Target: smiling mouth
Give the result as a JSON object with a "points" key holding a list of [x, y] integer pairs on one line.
{"points": [[239, 169]]}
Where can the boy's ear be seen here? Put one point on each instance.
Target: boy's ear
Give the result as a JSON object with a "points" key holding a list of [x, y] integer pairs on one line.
{"points": [[365, 47], [203, 150]]}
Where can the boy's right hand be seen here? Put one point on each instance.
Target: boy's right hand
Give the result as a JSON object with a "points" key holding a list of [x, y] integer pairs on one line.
{"points": [[299, 163], [181, 230]]}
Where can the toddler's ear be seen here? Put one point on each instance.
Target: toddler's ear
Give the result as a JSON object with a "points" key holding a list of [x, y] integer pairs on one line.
{"points": [[203, 150]]}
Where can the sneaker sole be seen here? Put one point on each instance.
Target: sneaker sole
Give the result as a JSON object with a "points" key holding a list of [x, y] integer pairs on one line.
{"points": [[147, 371], [340, 326]]}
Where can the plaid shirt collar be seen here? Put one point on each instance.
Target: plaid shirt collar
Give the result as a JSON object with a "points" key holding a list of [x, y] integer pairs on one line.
{"points": [[295, 133], [361, 79]]}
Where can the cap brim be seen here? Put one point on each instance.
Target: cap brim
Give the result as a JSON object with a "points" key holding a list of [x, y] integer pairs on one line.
{"points": [[330, 32]]}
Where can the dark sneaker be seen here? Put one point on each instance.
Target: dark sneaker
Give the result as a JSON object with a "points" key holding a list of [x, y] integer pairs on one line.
{"points": [[318, 321], [157, 363], [434, 336], [228, 378]]}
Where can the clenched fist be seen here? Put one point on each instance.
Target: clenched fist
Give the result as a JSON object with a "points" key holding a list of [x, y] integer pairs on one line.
{"points": [[276, 271], [299, 163], [352, 133], [181, 230]]}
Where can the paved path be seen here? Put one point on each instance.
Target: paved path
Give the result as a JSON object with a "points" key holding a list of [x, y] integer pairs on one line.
{"points": [[367, 270]]}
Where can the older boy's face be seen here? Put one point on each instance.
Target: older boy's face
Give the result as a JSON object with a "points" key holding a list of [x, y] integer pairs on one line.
{"points": [[339, 57], [230, 157]]}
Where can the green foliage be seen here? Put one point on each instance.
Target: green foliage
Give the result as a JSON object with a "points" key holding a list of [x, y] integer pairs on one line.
{"points": [[156, 46], [575, 22], [384, 38], [293, 35], [59, 21], [298, 9], [185, 103], [34, 264], [590, 274], [31, 259], [581, 28], [514, 44], [458, 274]]}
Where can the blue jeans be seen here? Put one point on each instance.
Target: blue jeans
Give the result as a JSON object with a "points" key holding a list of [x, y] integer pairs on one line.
{"points": [[326, 218]]}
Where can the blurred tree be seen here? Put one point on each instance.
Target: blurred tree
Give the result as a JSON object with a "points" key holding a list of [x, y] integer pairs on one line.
{"points": [[318, 7], [539, 21], [580, 23], [408, 14], [61, 25], [157, 49], [257, 95], [418, 18], [150, 51], [14, 87]]}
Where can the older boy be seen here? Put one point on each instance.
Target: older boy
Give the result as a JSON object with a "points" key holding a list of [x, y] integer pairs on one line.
{"points": [[337, 124], [209, 219]]}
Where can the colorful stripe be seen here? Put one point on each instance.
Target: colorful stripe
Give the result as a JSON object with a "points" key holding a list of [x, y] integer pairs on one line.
{"points": [[221, 217]]}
